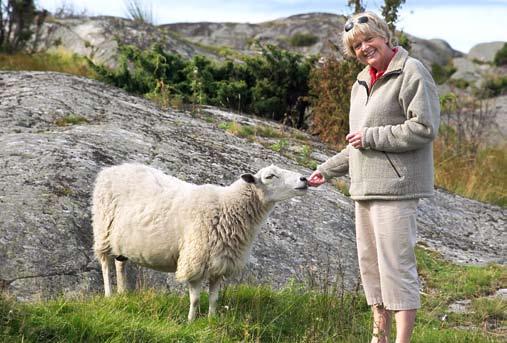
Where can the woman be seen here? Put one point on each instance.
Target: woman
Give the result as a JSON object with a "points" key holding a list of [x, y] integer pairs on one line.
{"points": [[394, 117]]}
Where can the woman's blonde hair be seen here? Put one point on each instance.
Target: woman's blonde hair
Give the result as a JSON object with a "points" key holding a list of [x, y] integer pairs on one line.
{"points": [[374, 26]]}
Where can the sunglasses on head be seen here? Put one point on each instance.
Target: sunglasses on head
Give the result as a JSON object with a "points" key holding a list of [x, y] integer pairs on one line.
{"points": [[350, 24]]}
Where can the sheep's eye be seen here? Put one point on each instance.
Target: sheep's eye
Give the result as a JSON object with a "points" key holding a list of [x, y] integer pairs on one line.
{"points": [[270, 176]]}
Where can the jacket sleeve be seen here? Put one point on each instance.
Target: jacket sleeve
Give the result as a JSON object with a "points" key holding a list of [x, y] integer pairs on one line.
{"points": [[419, 99], [338, 165]]}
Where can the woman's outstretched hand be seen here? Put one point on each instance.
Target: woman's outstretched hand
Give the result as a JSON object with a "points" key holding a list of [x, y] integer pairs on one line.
{"points": [[316, 179]]}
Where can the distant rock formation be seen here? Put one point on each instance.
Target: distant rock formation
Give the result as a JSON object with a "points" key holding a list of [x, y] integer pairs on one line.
{"points": [[485, 52], [98, 37]]}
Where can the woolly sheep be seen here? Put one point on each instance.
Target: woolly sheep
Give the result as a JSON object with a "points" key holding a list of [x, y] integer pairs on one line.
{"points": [[197, 231]]}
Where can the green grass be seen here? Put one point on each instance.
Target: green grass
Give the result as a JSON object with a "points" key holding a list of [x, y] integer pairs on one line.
{"points": [[446, 283], [457, 282], [247, 313], [305, 159], [261, 314], [280, 146]]}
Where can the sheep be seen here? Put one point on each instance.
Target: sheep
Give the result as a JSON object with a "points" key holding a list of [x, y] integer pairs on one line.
{"points": [[196, 231]]}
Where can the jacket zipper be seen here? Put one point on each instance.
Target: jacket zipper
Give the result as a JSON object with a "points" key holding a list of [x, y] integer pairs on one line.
{"points": [[392, 165], [368, 90]]}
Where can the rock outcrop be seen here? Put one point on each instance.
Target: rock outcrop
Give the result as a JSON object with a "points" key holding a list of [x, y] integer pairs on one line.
{"points": [[58, 131], [485, 52], [98, 37]]}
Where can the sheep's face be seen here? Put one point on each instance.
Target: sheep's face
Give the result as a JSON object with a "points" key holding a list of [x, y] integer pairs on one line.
{"points": [[278, 184]]}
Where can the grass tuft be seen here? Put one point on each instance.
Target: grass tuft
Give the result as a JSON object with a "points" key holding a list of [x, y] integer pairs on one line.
{"points": [[71, 119], [482, 180]]}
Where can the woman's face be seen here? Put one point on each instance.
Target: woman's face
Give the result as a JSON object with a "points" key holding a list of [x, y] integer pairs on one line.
{"points": [[373, 51]]}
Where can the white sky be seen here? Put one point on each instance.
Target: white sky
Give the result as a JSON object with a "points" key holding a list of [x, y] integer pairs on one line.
{"points": [[461, 23]]}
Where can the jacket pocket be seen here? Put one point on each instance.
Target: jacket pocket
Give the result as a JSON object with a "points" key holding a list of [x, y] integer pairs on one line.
{"points": [[396, 170]]}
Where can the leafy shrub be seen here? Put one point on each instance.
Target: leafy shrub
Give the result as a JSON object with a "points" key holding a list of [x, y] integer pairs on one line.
{"points": [[140, 71], [459, 83], [494, 86], [272, 85], [501, 56], [330, 87], [404, 41], [301, 39], [442, 73], [280, 84]]}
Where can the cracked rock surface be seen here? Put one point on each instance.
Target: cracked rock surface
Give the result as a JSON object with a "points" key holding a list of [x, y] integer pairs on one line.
{"points": [[48, 167]]}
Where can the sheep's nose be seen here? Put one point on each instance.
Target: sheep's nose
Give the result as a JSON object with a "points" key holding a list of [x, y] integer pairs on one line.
{"points": [[302, 178]]}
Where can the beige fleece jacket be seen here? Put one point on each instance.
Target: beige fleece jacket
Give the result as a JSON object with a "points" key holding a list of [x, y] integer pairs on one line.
{"points": [[399, 118]]}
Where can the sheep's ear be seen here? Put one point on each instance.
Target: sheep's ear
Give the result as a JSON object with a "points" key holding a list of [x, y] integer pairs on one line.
{"points": [[248, 178]]}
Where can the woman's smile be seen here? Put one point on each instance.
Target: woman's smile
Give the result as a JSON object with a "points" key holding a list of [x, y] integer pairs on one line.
{"points": [[373, 51]]}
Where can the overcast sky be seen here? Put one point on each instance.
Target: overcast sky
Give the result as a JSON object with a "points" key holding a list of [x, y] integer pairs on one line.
{"points": [[461, 23]]}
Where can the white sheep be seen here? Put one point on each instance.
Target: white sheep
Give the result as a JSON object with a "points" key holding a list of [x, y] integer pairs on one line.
{"points": [[197, 231]]}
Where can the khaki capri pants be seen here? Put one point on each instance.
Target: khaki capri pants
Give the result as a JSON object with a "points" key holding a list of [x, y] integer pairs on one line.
{"points": [[386, 236]]}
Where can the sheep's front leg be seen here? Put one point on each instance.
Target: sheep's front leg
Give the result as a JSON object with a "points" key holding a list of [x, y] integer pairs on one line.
{"points": [[121, 283], [214, 287], [194, 290]]}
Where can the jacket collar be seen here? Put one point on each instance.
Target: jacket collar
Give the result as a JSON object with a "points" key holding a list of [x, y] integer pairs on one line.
{"points": [[396, 65]]}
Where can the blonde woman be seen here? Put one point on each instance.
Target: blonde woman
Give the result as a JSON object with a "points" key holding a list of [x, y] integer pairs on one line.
{"points": [[394, 117]]}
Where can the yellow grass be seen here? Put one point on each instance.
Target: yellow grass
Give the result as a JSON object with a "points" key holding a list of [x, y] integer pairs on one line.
{"points": [[59, 60], [481, 176]]}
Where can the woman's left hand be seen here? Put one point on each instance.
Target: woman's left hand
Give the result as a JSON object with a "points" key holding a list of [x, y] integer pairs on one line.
{"points": [[355, 139]]}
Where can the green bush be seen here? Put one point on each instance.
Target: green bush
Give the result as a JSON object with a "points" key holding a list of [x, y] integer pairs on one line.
{"points": [[280, 83], [494, 86], [301, 39], [140, 71], [330, 86], [442, 73], [404, 41], [501, 56], [270, 85], [459, 83]]}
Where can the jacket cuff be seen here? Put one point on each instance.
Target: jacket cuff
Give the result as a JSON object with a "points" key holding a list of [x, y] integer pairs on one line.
{"points": [[324, 173], [364, 138]]}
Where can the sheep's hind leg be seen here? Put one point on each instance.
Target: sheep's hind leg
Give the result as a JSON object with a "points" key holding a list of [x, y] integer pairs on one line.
{"points": [[121, 283], [194, 290], [105, 262], [214, 287]]}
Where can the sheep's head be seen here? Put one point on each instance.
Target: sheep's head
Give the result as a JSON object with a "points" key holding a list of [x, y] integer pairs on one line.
{"points": [[277, 184]]}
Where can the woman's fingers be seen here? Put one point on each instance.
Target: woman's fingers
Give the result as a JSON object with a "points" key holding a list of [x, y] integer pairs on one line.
{"points": [[316, 179], [355, 139]]}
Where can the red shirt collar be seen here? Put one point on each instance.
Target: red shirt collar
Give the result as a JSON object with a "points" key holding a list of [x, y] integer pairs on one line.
{"points": [[376, 74]]}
